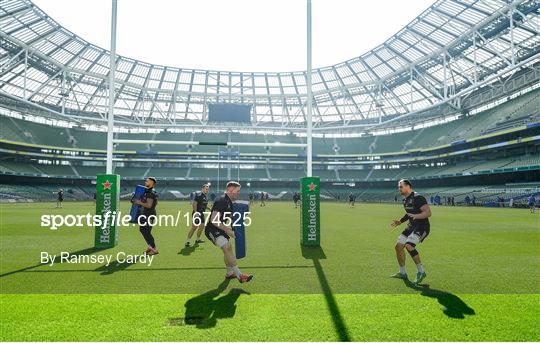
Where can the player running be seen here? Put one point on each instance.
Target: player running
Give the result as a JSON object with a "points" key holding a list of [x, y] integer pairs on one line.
{"points": [[200, 202], [218, 230], [417, 230], [60, 198], [147, 207]]}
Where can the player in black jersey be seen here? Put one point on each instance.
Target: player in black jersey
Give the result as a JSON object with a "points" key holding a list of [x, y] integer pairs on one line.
{"points": [[147, 210], [417, 230], [264, 197], [296, 199], [219, 230], [352, 199], [200, 202], [60, 198]]}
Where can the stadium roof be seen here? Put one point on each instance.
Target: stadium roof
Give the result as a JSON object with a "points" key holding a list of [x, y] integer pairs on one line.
{"points": [[446, 53]]}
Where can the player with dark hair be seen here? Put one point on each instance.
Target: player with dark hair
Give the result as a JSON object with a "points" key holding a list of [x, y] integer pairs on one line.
{"points": [[218, 230], [296, 199], [263, 199], [200, 202], [60, 198], [532, 203], [147, 207], [418, 212], [352, 199]]}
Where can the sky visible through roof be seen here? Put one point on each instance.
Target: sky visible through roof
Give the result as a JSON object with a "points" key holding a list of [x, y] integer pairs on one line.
{"points": [[237, 35]]}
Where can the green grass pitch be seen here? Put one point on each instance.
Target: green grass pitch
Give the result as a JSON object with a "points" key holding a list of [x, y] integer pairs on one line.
{"points": [[483, 280]]}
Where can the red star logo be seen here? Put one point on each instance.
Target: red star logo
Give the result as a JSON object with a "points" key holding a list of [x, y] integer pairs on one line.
{"points": [[312, 186], [107, 185]]}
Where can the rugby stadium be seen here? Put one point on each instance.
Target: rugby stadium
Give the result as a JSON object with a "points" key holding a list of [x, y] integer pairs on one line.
{"points": [[450, 104]]}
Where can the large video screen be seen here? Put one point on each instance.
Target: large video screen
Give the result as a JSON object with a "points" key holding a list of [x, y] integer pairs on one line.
{"points": [[238, 113]]}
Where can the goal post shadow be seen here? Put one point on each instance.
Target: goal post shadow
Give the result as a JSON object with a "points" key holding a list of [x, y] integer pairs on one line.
{"points": [[316, 253]]}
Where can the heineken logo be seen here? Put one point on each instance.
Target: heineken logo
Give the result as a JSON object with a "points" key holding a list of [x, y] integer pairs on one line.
{"points": [[107, 185], [107, 203], [106, 228], [312, 215], [312, 186]]}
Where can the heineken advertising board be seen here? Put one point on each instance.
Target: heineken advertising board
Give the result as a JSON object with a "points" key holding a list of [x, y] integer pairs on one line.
{"points": [[310, 219], [107, 204]]}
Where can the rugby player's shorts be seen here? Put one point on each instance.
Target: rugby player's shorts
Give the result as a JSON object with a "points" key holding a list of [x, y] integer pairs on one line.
{"points": [[216, 236], [413, 235]]}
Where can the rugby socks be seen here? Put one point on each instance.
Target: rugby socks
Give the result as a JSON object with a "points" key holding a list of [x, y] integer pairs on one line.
{"points": [[236, 270], [402, 270], [420, 267]]}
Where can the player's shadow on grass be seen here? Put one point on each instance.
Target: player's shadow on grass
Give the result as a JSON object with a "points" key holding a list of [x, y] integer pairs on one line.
{"points": [[315, 254], [113, 267], [203, 311], [454, 306], [186, 251], [87, 251]]}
